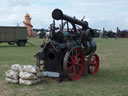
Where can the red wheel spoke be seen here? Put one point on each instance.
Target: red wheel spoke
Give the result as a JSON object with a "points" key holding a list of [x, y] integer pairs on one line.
{"points": [[78, 65], [79, 59], [92, 63], [78, 54], [70, 68], [95, 63], [77, 68], [71, 57], [74, 70]]}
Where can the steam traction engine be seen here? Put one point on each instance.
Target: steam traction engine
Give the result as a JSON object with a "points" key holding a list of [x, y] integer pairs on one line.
{"points": [[70, 51]]}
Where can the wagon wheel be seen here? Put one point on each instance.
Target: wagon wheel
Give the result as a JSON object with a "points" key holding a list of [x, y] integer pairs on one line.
{"points": [[93, 64], [73, 64], [21, 43], [39, 63]]}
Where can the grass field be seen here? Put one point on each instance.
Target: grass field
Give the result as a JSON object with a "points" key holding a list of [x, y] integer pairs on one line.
{"points": [[111, 80]]}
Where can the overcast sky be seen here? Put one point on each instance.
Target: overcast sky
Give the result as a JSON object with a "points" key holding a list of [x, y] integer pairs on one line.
{"points": [[99, 13]]}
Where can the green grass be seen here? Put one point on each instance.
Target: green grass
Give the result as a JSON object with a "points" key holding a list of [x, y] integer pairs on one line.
{"points": [[111, 80]]}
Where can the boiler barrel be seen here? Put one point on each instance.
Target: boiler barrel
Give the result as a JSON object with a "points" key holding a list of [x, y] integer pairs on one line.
{"points": [[57, 14]]}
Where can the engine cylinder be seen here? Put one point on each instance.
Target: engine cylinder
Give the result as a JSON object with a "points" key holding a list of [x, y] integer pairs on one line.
{"points": [[90, 47]]}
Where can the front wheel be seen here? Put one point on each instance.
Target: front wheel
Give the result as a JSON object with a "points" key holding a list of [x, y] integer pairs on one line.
{"points": [[73, 64]]}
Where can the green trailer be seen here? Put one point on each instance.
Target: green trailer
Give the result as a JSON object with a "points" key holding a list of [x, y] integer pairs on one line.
{"points": [[13, 35]]}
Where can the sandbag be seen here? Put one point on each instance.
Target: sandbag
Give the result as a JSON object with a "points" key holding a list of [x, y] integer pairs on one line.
{"points": [[28, 82], [16, 67], [12, 74], [30, 68], [24, 74], [11, 80], [27, 75]]}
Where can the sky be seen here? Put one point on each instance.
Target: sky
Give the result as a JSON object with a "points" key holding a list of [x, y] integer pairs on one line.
{"points": [[98, 13]]}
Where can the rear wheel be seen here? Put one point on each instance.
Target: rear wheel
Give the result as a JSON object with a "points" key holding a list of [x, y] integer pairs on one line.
{"points": [[73, 64], [21, 43], [93, 64]]}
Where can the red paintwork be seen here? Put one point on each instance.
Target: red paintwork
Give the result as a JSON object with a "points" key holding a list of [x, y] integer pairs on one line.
{"points": [[94, 64], [75, 64]]}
